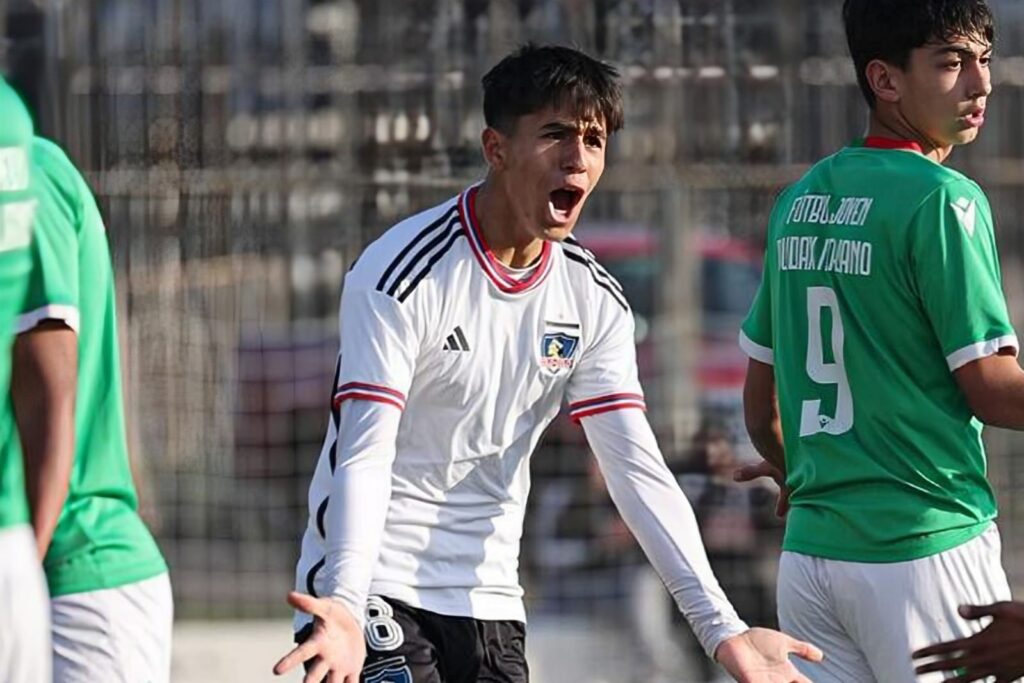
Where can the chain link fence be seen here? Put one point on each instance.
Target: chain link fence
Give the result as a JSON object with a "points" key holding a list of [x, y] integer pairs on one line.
{"points": [[244, 152]]}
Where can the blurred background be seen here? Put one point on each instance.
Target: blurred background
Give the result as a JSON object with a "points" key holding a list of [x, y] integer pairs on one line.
{"points": [[243, 153]]}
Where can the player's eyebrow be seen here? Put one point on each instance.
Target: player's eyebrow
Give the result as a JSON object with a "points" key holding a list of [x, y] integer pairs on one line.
{"points": [[588, 127], [962, 50]]}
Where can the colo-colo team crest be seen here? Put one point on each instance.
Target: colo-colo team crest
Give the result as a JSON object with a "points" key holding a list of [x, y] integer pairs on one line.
{"points": [[557, 350]]}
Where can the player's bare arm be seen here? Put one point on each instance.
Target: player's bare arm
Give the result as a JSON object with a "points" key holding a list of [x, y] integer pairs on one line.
{"points": [[994, 389], [997, 650], [43, 385], [761, 413]]}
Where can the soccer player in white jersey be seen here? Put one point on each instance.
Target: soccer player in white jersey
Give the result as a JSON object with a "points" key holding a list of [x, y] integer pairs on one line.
{"points": [[462, 330], [880, 342]]}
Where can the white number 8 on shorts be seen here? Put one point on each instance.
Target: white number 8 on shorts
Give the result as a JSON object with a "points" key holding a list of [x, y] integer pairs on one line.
{"points": [[382, 632]]}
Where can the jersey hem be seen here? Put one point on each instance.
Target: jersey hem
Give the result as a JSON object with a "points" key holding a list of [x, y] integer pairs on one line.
{"points": [[455, 603], [62, 312], [20, 517], [754, 350], [982, 349], [149, 570], [906, 552]]}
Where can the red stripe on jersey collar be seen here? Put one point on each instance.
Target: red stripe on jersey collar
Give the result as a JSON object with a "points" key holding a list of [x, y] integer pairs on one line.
{"points": [[492, 267], [878, 142]]}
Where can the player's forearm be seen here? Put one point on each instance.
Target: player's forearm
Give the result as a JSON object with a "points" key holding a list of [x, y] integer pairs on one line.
{"points": [[659, 515], [761, 413], [360, 493], [767, 441], [43, 386]]}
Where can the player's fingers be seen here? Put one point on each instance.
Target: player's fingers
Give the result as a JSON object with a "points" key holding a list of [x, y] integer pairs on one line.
{"points": [[756, 471], [949, 647], [318, 672], [800, 678], [947, 664], [306, 603], [782, 504], [978, 611], [298, 655], [805, 650]]}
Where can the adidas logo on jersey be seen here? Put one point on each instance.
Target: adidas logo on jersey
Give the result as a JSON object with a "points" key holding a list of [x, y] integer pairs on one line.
{"points": [[964, 209], [456, 341]]}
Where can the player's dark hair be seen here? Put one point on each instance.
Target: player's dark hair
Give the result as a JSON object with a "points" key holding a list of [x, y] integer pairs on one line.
{"points": [[535, 77], [889, 29]]}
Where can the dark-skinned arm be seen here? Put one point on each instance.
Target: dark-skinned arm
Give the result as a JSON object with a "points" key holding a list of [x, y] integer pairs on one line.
{"points": [[994, 389], [43, 385], [761, 415]]}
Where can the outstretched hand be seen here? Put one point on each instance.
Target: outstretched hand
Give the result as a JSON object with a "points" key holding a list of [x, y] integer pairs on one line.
{"points": [[335, 650], [761, 655], [766, 469], [997, 650]]}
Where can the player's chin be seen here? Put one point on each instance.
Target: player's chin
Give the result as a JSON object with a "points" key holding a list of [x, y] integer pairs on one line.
{"points": [[965, 136], [559, 233]]}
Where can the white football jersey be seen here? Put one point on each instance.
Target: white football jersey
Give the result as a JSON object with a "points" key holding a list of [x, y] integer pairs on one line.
{"points": [[479, 362]]}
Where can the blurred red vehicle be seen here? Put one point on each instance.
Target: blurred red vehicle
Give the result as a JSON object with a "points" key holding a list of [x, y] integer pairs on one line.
{"points": [[730, 271]]}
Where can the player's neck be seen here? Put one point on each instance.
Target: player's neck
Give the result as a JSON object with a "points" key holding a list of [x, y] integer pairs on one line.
{"points": [[895, 127], [502, 228]]}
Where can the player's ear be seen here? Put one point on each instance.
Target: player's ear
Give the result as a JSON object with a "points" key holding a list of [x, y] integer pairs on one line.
{"points": [[885, 80], [493, 143]]}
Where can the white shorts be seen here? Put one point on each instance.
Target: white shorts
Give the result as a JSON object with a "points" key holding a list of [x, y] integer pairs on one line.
{"points": [[869, 617], [24, 617], [115, 635]]}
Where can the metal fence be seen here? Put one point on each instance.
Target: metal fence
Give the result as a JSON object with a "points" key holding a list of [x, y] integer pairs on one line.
{"points": [[244, 152]]}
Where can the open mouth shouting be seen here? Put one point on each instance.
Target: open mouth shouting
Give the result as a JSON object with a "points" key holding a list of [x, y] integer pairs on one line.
{"points": [[563, 201]]}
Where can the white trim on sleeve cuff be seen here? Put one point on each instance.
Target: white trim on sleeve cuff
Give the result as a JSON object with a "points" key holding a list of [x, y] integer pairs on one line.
{"points": [[982, 349], [755, 350], [66, 314]]}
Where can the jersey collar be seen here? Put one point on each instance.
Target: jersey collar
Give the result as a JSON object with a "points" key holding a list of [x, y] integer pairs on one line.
{"points": [[879, 142], [491, 266]]}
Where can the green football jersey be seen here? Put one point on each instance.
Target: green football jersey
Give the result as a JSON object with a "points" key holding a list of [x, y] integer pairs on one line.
{"points": [[881, 278], [100, 541], [16, 209]]}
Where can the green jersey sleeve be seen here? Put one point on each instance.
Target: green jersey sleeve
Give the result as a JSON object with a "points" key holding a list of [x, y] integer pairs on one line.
{"points": [[756, 331], [955, 269], [53, 285]]}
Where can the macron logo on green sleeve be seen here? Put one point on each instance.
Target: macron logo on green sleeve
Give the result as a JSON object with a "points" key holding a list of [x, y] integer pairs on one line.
{"points": [[964, 209]]}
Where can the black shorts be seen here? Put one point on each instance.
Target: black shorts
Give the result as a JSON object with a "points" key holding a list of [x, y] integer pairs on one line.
{"points": [[405, 644]]}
